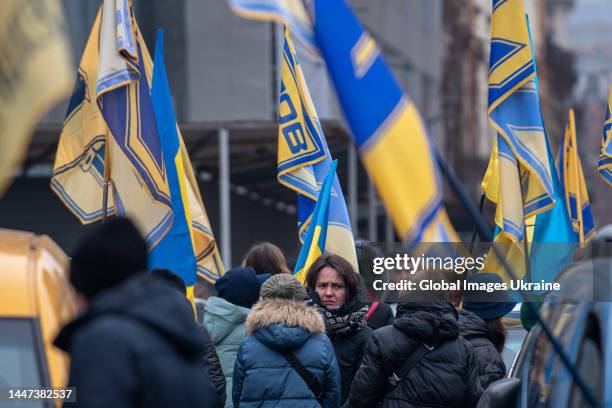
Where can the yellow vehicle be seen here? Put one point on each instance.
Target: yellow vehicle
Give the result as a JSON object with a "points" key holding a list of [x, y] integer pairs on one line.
{"points": [[36, 300]]}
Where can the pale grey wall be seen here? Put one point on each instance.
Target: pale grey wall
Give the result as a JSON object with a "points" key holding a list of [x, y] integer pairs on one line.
{"points": [[229, 64]]}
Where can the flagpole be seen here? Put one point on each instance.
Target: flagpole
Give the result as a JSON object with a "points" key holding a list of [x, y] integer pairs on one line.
{"points": [[475, 231], [526, 249], [572, 124], [485, 231], [525, 243], [106, 182]]}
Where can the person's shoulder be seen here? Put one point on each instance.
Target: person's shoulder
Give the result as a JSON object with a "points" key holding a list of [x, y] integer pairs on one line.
{"points": [[383, 308], [320, 341], [381, 336], [390, 337], [385, 331], [465, 344], [107, 331], [364, 334], [319, 338]]}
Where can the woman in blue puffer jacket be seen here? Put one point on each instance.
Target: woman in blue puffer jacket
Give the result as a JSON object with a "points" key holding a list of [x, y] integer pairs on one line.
{"points": [[280, 321]]}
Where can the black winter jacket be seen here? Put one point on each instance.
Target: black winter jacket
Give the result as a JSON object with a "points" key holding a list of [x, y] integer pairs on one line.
{"points": [[381, 317], [490, 363], [445, 377], [348, 346], [213, 364], [137, 345], [349, 351]]}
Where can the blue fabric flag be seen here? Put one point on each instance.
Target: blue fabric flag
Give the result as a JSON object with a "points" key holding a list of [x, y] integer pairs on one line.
{"points": [[314, 244], [554, 239], [175, 251]]}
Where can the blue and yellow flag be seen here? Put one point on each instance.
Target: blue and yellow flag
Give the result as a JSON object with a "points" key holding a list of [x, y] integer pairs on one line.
{"points": [[605, 156], [177, 249], [519, 177], [385, 124], [290, 12], [575, 194], [304, 157], [314, 244], [110, 131], [35, 73]]}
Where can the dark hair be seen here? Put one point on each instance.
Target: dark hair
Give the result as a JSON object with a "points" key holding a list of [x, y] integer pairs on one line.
{"points": [[170, 278], [341, 265], [265, 257], [421, 296], [497, 333], [366, 253]]}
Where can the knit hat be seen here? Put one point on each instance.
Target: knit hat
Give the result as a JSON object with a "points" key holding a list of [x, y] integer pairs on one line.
{"points": [[487, 305], [240, 286], [283, 286], [108, 254]]}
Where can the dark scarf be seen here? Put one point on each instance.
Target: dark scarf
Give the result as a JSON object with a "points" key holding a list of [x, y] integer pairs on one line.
{"points": [[347, 319]]}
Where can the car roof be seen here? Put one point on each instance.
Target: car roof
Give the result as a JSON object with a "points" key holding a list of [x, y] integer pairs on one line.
{"points": [[33, 284], [588, 280], [30, 264], [15, 290]]}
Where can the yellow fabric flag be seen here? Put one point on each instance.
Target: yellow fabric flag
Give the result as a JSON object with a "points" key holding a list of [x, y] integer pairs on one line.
{"points": [[121, 144], [112, 89], [605, 155], [574, 185], [519, 176]]}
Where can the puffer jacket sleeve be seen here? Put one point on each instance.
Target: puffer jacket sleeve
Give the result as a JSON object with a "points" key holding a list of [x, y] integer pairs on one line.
{"points": [[364, 335], [493, 368], [370, 383], [238, 378], [474, 387], [389, 316], [213, 364], [331, 385]]}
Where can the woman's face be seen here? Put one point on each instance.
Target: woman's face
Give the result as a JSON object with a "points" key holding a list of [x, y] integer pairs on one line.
{"points": [[331, 288]]}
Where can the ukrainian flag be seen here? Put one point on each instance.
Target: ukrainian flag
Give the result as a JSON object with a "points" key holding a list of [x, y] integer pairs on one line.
{"points": [[304, 158], [314, 244], [576, 197], [177, 250], [385, 124], [605, 156], [519, 177]]}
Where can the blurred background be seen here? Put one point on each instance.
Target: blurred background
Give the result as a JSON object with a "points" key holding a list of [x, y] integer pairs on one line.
{"points": [[224, 72]]}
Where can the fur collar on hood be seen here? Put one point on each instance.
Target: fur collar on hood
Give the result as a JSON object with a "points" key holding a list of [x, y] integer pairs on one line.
{"points": [[268, 312]]}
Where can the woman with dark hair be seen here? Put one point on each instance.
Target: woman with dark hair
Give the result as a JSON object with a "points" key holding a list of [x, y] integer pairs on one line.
{"points": [[265, 257], [332, 287], [480, 323]]}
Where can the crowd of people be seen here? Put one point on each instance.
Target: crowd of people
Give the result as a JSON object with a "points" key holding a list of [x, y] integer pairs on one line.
{"points": [[266, 340]]}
